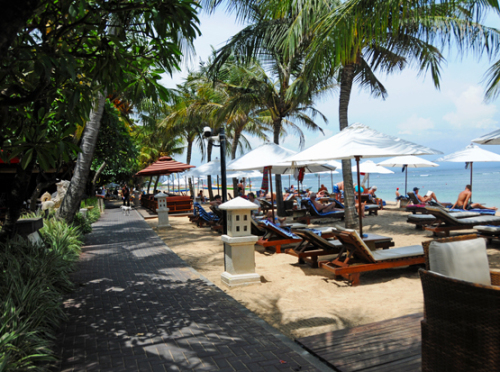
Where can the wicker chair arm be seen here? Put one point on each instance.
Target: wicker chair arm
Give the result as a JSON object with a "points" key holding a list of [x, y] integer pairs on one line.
{"points": [[495, 277]]}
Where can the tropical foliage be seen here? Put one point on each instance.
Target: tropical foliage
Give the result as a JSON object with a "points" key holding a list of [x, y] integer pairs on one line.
{"points": [[33, 278]]}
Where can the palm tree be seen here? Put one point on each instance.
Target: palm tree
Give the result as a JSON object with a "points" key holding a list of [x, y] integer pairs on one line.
{"points": [[357, 38], [282, 94]]}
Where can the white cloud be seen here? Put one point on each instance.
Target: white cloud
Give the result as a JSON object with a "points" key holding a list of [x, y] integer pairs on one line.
{"points": [[415, 125], [471, 111]]}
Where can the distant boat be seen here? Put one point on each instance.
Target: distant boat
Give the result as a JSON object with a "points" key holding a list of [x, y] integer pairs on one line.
{"points": [[424, 175]]}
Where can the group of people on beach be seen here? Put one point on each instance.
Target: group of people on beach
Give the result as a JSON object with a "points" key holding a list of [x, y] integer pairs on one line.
{"points": [[463, 200]]}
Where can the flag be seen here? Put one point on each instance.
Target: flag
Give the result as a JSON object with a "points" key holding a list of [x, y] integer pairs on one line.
{"points": [[265, 179]]}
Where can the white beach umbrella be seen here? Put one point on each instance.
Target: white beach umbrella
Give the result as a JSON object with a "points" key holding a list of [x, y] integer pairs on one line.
{"points": [[407, 162], [211, 168], [368, 167], [492, 138], [245, 174], [470, 155], [360, 141]]}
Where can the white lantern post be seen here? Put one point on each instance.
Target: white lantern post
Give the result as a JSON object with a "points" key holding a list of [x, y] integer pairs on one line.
{"points": [[162, 210], [239, 252]]}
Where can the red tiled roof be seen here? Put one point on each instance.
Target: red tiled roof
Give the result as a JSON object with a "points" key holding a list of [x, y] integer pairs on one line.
{"points": [[164, 165]]}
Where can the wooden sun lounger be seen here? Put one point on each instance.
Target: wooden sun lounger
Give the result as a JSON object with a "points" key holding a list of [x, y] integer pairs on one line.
{"points": [[313, 213], [449, 223], [313, 246], [488, 232], [355, 257], [370, 208], [421, 220], [276, 236], [265, 205], [204, 218]]}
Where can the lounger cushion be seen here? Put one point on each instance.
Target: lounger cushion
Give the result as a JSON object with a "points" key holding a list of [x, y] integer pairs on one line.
{"points": [[280, 229], [465, 260], [430, 217], [480, 220], [395, 253], [489, 229]]}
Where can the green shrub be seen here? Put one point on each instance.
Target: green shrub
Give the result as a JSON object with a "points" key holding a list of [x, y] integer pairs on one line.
{"points": [[82, 223], [33, 278]]}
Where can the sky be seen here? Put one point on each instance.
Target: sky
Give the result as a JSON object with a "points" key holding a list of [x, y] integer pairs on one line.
{"points": [[445, 119]]}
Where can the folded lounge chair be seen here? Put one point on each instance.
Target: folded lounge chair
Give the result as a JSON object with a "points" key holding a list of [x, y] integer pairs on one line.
{"points": [[418, 207], [446, 221], [276, 236], [355, 257], [313, 246], [488, 232]]}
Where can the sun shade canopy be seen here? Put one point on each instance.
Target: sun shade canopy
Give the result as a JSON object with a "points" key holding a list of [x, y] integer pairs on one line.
{"points": [[272, 155], [360, 140], [409, 161], [471, 154], [370, 167], [492, 138], [164, 165]]}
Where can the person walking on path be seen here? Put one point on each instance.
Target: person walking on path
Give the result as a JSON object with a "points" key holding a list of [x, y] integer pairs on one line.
{"points": [[126, 195]]}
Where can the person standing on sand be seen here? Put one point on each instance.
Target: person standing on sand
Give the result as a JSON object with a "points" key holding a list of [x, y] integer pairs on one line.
{"points": [[463, 201]]}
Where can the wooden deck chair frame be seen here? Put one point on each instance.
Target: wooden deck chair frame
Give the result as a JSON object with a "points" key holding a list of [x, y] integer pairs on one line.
{"points": [[356, 258], [449, 223], [275, 237], [218, 224], [311, 247], [265, 205], [256, 229], [371, 208]]}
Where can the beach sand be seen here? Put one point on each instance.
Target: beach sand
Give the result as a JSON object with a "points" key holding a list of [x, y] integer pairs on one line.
{"points": [[301, 301]]}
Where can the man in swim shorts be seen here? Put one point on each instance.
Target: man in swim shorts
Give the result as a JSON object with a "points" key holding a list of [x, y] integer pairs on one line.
{"points": [[463, 201]]}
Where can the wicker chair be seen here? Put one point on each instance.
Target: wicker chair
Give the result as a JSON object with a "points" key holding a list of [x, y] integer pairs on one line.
{"points": [[461, 326]]}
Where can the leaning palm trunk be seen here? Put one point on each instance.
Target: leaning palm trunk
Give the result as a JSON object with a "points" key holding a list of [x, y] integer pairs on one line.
{"points": [[277, 177], [71, 202], [188, 161], [345, 94], [96, 177]]}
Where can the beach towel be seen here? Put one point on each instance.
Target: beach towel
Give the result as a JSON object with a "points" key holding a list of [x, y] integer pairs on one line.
{"points": [[265, 179]]}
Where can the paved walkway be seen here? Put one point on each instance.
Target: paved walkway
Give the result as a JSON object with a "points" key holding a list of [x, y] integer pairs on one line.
{"points": [[139, 307]]}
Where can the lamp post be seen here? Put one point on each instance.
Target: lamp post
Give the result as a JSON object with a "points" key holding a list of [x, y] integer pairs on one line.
{"points": [[221, 138]]}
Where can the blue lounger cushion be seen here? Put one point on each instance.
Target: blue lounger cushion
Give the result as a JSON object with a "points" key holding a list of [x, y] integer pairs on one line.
{"points": [[323, 214], [280, 229]]}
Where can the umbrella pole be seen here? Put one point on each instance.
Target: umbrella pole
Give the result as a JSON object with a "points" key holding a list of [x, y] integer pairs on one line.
{"points": [[471, 181], [406, 180], [289, 181], [272, 197], [319, 181], [331, 177], [359, 199], [218, 186]]}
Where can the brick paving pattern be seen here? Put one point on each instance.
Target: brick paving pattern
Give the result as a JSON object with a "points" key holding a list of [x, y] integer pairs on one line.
{"points": [[139, 307]]}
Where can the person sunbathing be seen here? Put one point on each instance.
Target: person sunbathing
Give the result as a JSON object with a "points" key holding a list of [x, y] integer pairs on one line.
{"points": [[373, 198], [463, 201], [322, 207], [427, 197]]}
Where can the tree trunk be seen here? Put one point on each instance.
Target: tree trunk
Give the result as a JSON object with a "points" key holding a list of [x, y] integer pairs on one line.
{"points": [[347, 78], [15, 200], [71, 202], [188, 161], [277, 177], [156, 184], [209, 177], [96, 176]]}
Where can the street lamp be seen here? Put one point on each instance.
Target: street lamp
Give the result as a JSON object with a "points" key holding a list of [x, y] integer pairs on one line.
{"points": [[221, 138]]}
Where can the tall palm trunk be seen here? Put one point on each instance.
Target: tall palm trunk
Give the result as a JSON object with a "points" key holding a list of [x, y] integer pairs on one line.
{"points": [[188, 161], [277, 177], [209, 177], [71, 202], [234, 148], [345, 95]]}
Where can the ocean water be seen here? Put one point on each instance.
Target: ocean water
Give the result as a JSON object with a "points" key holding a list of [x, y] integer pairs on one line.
{"points": [[447, 181]]}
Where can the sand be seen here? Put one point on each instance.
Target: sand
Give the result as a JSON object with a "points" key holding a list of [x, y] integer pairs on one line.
{"points": [[301, 301]]}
